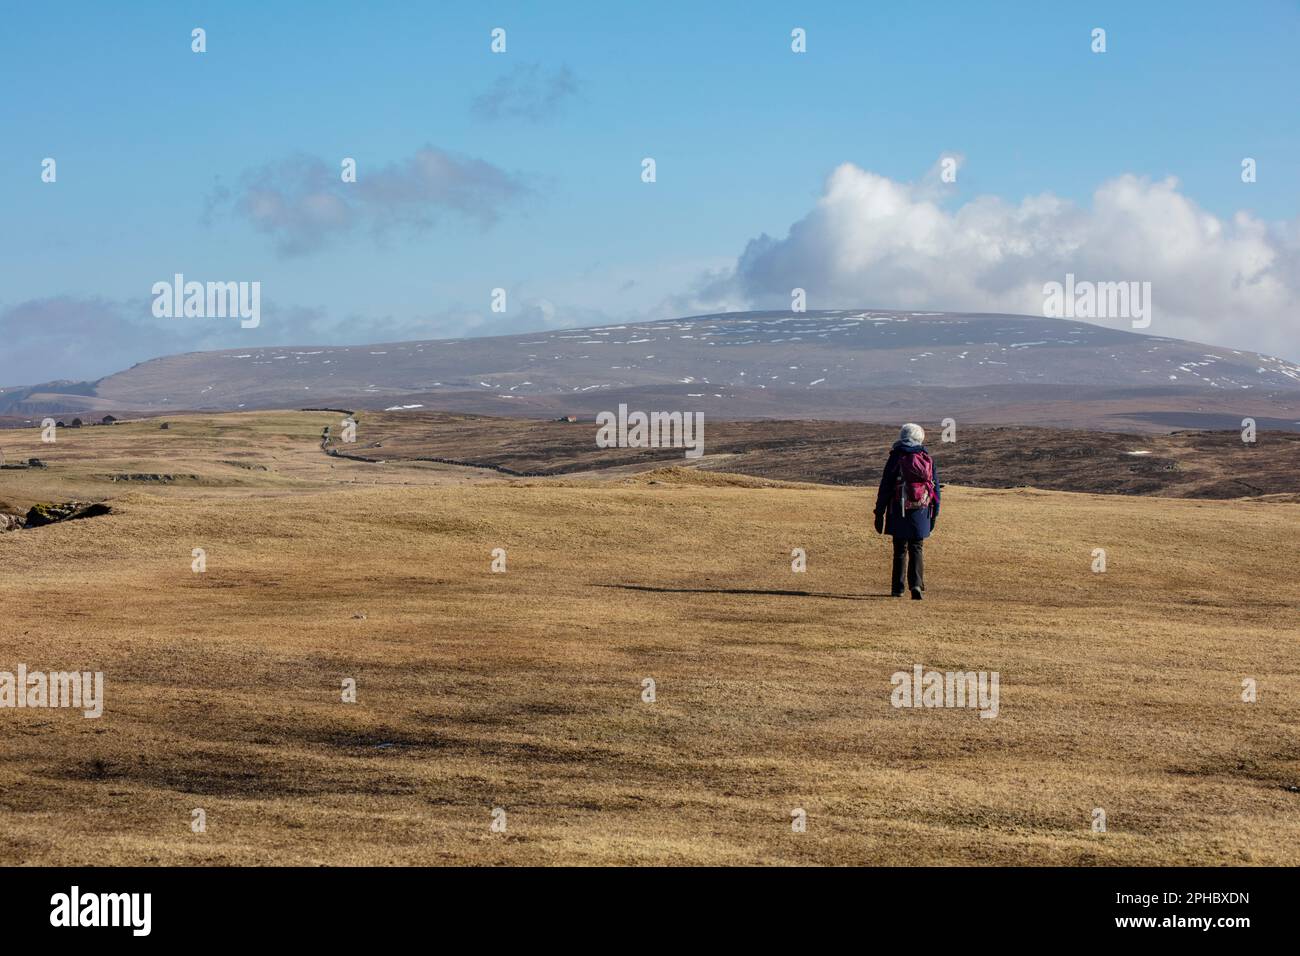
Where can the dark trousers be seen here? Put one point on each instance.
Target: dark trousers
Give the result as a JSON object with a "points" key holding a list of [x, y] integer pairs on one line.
{"points": [[911, 551]]}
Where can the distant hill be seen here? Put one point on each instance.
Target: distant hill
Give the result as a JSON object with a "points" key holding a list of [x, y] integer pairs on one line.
{"points": [[846, 365]]}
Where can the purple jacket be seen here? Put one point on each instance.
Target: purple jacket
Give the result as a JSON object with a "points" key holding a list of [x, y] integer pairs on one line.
{"points": [[912, 525]]}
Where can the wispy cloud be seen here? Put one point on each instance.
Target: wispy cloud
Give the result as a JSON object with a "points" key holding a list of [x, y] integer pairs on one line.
{"points": [[527, 92], [302, 202], [83, 339], [67, 337]]}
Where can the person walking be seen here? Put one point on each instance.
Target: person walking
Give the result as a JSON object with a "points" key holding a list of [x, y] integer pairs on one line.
{"points": [[907, 508]]}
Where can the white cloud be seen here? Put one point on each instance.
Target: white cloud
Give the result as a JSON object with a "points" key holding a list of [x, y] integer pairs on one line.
{"points": [[874, 242]]}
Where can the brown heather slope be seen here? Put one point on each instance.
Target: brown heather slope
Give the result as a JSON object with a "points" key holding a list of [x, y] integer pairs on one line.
{"points": [[523, 690], [1182, 464]]}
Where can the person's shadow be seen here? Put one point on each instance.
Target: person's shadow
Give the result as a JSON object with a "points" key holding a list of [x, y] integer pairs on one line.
{"points": [[766, 591]]}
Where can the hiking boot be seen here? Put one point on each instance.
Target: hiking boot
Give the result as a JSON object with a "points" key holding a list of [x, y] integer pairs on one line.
{"points": [[916, 594]]}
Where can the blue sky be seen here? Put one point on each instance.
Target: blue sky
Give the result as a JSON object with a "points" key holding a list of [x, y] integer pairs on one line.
{"points": [[157, 146]]}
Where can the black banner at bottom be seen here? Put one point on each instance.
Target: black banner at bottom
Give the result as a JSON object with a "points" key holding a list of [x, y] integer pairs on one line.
{"points": [[329, 904]]}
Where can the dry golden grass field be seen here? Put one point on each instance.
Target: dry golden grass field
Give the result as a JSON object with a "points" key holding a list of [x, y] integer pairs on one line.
{"points": [[523, 690]]}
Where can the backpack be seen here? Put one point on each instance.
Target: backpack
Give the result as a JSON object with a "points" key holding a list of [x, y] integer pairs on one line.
{"points": [[915, 480]]}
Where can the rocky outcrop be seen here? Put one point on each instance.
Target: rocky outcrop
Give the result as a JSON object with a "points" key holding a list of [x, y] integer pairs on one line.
{"points": [[154, 478], [47, 513]]}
